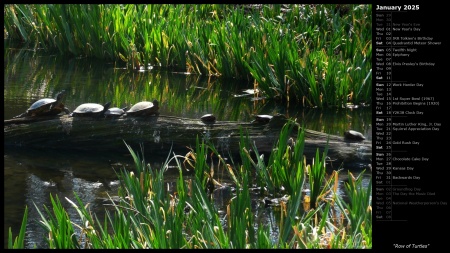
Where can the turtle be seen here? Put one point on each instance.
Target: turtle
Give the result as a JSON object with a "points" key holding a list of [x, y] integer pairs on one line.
{"points": [[354, 135], [208, 118], [115, 112], [90, 110], [47, 106], [144, 108], [264, 119]]}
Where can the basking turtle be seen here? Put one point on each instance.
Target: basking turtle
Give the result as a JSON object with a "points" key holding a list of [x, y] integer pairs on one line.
{"points": [[208, 118], [264, 119], [90, 110], [144, 108], [354, 135], [47, 106], [115, 112]]}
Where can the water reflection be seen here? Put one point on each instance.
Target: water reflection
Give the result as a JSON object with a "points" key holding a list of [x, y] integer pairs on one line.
{"points": [[29, 77], [31, 175]]}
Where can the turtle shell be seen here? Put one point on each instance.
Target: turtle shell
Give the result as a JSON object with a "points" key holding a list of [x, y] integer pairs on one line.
{"points": [[144, 108], [115, 112], [354, 135], [41, 104], [263, 118], [90, 109], [278, 119], [208, 118]]}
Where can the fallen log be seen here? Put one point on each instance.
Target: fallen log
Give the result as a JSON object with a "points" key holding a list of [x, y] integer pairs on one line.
{"points": [[160, 134]]}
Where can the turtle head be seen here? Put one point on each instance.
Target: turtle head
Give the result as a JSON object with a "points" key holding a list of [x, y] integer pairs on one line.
{"points": [[60, 96], [106, 106], [155, 103]]}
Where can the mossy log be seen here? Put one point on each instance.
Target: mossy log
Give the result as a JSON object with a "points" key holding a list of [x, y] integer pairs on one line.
{"points": [[164, 134]]}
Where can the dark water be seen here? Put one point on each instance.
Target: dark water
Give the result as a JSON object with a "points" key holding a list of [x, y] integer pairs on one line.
{"points": [[32, 175]]}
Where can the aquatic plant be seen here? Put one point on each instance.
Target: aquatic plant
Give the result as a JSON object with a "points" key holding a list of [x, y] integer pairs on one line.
{"points": [[146, 214], [309, 54]]}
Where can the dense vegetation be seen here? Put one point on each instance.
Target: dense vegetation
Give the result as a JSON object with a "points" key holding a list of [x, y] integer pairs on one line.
{"points": [[310, 55], [314, 55], [311, 214]]}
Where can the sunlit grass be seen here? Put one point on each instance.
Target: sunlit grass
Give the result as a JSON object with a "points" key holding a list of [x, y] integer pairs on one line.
{"points": [[305, 54], [18, 242]]}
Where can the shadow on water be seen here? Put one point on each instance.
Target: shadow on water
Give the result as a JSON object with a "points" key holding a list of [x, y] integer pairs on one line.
{"points": [[31, 175], [34, 175]]}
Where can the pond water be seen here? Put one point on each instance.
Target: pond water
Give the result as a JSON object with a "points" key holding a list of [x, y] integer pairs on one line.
{"points": [[31, 175]]}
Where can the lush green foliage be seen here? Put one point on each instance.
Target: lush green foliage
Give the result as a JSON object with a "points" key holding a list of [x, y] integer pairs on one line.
{"points": [[317, 55], [181, 95], [148, 215], [20, 239]]}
